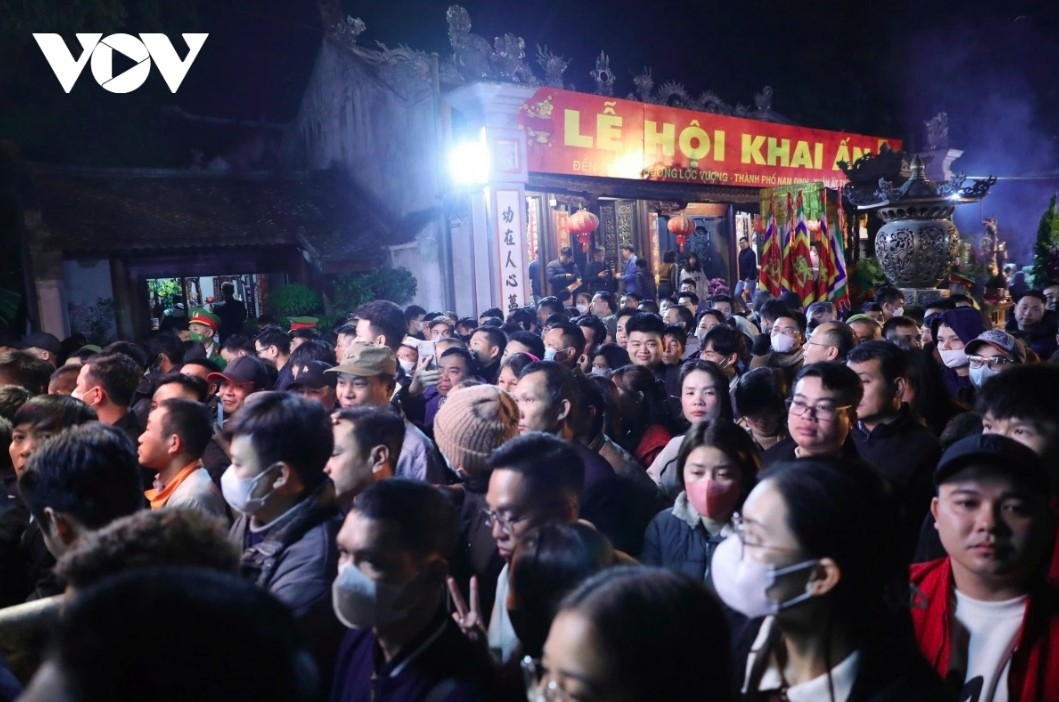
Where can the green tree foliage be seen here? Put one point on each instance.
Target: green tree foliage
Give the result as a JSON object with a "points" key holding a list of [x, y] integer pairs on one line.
{"points": [[294, 300], [395, 284], [864, 277], [1046, 250], [164, 289]]}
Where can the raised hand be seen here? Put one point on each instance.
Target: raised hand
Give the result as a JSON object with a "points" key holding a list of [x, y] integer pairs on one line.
{"points": [[424, 377], [469, 619]]}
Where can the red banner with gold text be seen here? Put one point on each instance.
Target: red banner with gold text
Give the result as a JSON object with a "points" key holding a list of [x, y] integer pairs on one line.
{"points": [[579, 134]]}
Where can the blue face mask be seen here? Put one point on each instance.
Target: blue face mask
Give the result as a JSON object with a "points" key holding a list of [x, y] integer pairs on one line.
{"points": [[980, 375], [549, 354]]}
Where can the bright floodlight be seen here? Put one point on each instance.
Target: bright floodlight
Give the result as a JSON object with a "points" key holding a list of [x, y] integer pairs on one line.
{"points": [[469, 163]]}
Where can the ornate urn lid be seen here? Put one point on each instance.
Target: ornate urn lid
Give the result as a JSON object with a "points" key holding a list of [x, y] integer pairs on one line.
{"points": [[920, 191]]}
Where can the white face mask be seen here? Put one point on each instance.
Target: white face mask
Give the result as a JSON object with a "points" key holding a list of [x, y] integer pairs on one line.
{"points": [[980, 375], [408, 366], [781, 343], [601, 372], [583, 309], [743, 583], [953, 359], [899, 311], [237, 491], [549, 354], [360, 602]]}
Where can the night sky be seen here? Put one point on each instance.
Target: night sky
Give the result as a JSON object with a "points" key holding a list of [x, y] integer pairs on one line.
{"points": [[870, 68], [831, 64]]}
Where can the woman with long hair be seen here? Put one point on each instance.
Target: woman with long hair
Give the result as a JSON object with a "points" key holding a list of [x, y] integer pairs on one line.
{"points": [[925, 392], [703, 395], [612, 426], [716, 468], [693, 269], [667, 275], [548, 563], [816, 567], [642, 412]]}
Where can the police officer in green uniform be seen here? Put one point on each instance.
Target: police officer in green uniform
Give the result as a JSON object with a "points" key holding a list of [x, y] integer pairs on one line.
{"points": [[203, 327]]}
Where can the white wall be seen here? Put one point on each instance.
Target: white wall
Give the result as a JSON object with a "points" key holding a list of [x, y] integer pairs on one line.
{"points": [[422, 258]]}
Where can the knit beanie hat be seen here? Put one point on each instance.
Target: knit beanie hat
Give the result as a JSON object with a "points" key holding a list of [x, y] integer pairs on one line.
{"points": [[472, 422]]}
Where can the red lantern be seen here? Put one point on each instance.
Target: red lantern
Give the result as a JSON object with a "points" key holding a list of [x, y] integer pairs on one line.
{"points": [[582, 223], [681, 226]]}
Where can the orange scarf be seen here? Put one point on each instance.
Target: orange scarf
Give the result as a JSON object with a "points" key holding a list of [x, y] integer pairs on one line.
{"points": [[158, 498]]}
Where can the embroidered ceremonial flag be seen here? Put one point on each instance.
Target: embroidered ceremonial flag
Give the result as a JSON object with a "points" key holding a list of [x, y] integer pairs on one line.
{"points": [[838, 285], [769, 267], [787, 269], [800, 277], [823, 278]]}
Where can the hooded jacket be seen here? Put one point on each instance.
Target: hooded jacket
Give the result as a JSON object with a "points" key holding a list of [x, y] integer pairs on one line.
{"points": [[967, 323]]}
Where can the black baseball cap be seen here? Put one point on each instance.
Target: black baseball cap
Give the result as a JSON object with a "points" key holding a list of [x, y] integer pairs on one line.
{"points": [[994, 451], [242, 371], [312, 374], [42, 340]]}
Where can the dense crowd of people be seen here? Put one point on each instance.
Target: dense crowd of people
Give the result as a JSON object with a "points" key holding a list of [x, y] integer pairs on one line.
{"points": [[600, 497]]}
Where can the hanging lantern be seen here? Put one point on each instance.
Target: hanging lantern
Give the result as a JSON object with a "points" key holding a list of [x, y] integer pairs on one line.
{"points": [[582, 223], [681, 226]]}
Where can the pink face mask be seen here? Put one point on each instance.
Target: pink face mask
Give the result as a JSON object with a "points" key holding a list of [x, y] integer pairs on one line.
{"points": [[713, 499]]}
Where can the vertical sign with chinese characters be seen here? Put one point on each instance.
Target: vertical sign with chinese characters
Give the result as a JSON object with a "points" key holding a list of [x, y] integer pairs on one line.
{"points": [[652, 227], [533, 234], [508, 213], [561, 217]]}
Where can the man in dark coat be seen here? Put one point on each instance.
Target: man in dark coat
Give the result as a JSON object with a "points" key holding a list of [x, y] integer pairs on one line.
{"points": [[231, 311], [562, 272], [888, 436], [402, 645], [1035, 325], [599, 277], [289, 517]]}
